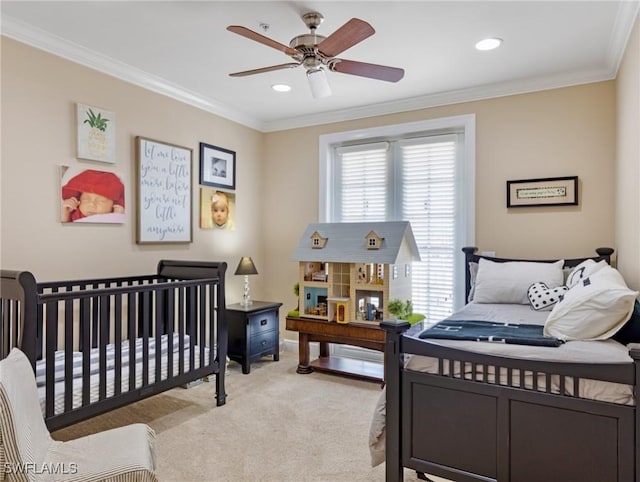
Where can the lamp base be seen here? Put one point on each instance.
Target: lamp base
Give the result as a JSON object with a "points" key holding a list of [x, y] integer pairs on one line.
{"points": [[246, 303]]}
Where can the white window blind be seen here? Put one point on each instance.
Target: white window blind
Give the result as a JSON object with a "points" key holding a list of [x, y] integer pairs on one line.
{"points": [[361, 185], [428, 193], [414, 180]]}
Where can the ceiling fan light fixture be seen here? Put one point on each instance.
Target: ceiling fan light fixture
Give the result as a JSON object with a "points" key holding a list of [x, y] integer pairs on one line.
{"points": [[318, 83], [281, 87], [489, 43]]}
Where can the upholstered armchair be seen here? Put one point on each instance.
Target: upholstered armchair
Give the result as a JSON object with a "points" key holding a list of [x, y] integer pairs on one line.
{"points": [[28, 452]]}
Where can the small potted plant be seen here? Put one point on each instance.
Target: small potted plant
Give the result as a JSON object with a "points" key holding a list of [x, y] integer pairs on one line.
{"points": [[296, 291], [403, 310]]}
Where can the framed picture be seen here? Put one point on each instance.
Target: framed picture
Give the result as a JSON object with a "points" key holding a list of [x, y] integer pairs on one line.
{"points": [[217, 209], [164, 192], [96, 133], [217, 166], [91, 196], [551, 191]]}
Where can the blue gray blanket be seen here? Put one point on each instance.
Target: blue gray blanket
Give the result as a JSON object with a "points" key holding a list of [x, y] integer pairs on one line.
{"points": [[490, 331]]}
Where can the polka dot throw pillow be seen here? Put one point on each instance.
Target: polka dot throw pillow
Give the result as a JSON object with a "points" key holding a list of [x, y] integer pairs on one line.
{"points": [[541, 297]]}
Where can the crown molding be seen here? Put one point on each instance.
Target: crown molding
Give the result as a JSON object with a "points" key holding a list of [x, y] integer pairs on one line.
{"points": [[60, 47], [443, 98], [627, 13]]}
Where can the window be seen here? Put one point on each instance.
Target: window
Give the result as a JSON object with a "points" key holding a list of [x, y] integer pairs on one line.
{"points": [[421, 172]]}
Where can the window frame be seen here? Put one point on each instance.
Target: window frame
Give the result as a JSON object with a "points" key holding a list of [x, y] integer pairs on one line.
{"points": [[465, 122]]}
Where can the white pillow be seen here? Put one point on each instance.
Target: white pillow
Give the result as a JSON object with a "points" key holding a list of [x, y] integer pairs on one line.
{"points": [[473, 273], [594, 309], [508, 282], [584, 270]]}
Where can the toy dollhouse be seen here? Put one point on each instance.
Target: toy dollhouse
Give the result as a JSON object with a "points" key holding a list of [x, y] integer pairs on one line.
{"points": [[350, 271]]}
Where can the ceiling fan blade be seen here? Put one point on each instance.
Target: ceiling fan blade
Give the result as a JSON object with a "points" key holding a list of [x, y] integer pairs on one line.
{"points": [[363, 69], [264, 69], [250, 34], [351, 33]]}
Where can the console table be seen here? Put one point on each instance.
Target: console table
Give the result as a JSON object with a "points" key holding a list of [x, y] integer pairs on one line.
{"points": [[365, 335]]}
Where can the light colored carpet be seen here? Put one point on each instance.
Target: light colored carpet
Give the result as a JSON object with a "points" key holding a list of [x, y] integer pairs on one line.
{"points": [[277, 426]]}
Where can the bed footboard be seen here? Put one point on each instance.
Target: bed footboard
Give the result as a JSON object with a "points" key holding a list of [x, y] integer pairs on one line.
{"points": [[102, 343], [466, 427]]}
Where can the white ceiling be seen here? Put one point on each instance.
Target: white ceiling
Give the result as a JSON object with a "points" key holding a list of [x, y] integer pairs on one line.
{"points": [[182, 49]]}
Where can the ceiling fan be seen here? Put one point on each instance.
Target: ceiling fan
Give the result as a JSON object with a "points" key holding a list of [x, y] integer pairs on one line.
{"points": [[316, 52]]}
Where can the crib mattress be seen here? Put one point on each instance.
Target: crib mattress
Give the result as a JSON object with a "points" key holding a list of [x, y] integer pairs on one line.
{"points": [[167, 346]]}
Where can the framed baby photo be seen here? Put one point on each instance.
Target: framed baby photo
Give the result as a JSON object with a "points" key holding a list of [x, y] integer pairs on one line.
{"points": [[217, 209], [217, 166], [96, 133], [91, 196]]}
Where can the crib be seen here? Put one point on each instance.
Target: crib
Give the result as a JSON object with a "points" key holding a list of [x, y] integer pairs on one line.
{"points": [[98, 344]]}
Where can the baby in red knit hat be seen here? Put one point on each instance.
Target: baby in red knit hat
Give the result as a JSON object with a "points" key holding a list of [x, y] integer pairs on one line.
{"points": [[92, 192]]}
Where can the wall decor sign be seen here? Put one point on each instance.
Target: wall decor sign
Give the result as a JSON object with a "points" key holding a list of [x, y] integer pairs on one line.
{"points": [[96, 133], [217, 166], [91, 196], [551, 191], [164, 192]]}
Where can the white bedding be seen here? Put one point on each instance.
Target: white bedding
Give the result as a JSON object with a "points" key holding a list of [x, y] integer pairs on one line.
{"points": [[110, 380], [606, 351]]}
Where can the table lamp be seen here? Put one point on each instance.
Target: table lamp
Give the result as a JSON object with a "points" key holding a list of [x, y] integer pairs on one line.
{"points": [[246, 267]]}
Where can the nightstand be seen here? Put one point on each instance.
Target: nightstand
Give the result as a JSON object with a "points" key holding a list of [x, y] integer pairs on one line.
{"points": [[253, 332]]}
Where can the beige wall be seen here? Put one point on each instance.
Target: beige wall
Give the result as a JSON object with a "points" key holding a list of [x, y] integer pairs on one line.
{"points": [[39, 92], [561, 132], [628, 162]]}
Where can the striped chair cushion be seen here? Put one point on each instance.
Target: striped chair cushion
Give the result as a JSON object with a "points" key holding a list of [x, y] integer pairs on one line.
{"points": [[29, 453]]}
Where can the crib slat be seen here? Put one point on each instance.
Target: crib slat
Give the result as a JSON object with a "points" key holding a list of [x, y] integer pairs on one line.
{"points": [[103, 302], [191, 323], [170, 314], [68, 355], [202, 318], [85, 327], [132, 335], [50, 350], [159, 329], [181, 327], [117, 380], [146, 320]]}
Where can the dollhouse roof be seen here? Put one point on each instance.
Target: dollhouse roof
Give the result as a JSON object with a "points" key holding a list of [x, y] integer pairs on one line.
{"points": [[347, 243]]}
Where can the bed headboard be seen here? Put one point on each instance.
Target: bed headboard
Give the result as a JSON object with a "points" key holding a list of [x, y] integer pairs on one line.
{"points": [[471, 256]]}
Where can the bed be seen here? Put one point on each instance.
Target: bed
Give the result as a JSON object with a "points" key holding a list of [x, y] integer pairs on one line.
{"points": [[470, 411], [99, 344]]}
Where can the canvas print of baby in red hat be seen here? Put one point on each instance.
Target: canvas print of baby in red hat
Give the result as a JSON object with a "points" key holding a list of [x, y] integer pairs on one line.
{"points": [[93, 196]]}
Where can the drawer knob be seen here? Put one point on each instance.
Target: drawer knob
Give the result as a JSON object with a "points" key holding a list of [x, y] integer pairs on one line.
{"points": [[263, 322], [264, 342]]}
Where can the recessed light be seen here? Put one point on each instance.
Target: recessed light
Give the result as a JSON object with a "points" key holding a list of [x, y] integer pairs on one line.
{"points": [[489, 43], [281, 87]]}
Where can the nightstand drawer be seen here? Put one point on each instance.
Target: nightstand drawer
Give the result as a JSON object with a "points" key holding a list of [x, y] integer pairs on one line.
{"points": [[264, 341], [262, 322]]}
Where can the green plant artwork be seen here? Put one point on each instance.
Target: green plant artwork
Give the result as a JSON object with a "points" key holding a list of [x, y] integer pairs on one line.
{"points": [[96, 121], [96, 129]]}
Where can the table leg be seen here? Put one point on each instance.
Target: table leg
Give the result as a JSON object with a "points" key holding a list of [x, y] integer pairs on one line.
{"points": [[324, 349], [303, 354]]}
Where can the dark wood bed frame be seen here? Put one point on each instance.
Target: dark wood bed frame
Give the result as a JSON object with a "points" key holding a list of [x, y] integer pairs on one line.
{"points": [[465, 430], [182, 298]]}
